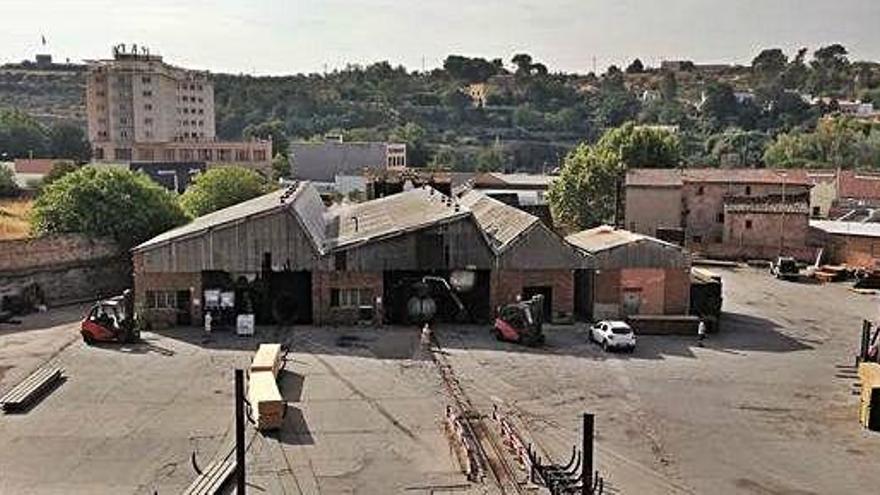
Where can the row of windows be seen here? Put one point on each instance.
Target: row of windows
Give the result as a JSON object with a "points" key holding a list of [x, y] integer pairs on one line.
{"points": [[192, 99], [201, 123], [191, 87], [190, 110], [701, 190], [350, 298], [161, 299], [223, 155]]}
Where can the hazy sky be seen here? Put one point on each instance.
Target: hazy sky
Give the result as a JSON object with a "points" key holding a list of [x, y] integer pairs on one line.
{"points": [[287, 36]]}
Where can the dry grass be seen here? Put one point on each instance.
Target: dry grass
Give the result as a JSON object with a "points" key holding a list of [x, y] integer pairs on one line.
{"points": [[14, 215]]}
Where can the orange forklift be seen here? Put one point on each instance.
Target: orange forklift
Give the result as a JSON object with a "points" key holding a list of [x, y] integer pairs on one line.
{"points": [[111, 320], [521, 322]]}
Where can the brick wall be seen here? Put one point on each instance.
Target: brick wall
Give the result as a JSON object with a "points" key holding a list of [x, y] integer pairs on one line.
{"points": [[854, 251], [506, 285], [53, 251], [68, 268], [165, 281], [739, 253], [766, 229], [662, 291], [324, 282]]}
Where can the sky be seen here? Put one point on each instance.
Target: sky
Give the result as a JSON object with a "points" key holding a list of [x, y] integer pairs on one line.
{"points": [[292, 36]]}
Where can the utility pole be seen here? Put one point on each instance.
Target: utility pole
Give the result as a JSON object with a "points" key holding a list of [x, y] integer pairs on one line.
{"points": [[239, 432], [587, 459]]}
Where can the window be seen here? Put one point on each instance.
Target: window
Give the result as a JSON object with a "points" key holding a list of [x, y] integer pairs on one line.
{"points": [[748, 190], [148, 93], [145, 80], [161, 299], [350, 298], [148, 121], [700, 191], [817, 211], [340, 261], [748, 224], [148, 107], [720, 218]]}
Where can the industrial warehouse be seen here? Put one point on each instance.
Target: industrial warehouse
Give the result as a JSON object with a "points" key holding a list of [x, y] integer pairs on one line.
{"points": [[288, 258]]}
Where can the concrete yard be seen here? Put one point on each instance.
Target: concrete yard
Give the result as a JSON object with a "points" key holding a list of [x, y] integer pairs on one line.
{"points": [[363, 414], [766, 407]]}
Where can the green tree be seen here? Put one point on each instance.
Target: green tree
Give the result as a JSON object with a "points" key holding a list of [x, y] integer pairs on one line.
{"points": [[641, 147], [737, 148], [281, 167], [8, 186], [60, 168], [21, 136], [523, 63], [70, 142], [274, 130], [843, 143], [123, 205], [720, 105], [413, 135], [221, 187], [585, 194], [769, 64], [830, 70], [472, 70], [636, 67]]}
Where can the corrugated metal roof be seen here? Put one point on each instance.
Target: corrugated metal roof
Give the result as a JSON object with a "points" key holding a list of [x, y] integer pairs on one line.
{"points": [[259, 205], [391, 215], [501, 223], [607, 237], [858, 229]]}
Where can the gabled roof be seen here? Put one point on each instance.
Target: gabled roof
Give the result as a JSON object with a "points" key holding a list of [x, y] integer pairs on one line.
{"points": [[502, 224], [266, 203], [606, 237], [858, 229], [674, 177], [389, 216]]}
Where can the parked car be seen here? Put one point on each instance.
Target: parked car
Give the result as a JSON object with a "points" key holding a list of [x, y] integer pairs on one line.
{"points": [[613, 335], [785, 267]]}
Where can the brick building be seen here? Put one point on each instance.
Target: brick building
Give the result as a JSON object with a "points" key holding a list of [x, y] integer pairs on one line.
{"points": [[729, 213], [289, 254], [633, 274], [855, 244]]}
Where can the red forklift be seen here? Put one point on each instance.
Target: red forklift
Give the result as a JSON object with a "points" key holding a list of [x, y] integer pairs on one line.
{"points": [[111, 320], [521, 322]]}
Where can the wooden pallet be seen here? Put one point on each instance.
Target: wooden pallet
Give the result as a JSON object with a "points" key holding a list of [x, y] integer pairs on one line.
{"points": [[214, 477], [31, 389]]}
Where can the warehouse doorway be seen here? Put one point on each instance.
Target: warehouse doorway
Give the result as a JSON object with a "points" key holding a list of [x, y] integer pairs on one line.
{"points": [[448, 303], [547, 292], [874, 410], [583, 295]]}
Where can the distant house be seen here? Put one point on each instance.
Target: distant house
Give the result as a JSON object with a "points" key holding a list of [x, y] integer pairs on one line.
{"points": [[174, 176], [729, 213], [322, 162]]}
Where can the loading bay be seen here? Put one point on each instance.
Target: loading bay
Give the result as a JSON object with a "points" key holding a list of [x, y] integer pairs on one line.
{"points": [[765, 407]]}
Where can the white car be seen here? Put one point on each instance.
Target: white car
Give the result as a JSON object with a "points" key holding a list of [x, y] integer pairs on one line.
{"points": [[613, 335]]}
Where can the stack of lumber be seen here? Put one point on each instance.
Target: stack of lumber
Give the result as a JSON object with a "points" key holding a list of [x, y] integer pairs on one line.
{"points": [[267, 405], [830, 273], [31, 389], [267, 358]]}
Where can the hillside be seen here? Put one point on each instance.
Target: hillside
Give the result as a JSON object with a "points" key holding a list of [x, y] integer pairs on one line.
{"points": [[477, 113]]}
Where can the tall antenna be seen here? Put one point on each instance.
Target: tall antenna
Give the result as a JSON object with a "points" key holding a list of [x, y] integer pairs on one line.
{"points": [[594, 64], [423, 64]]}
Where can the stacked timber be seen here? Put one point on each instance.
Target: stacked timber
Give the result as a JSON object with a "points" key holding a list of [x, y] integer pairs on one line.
{"points": [[266, 403], [267, 358]]}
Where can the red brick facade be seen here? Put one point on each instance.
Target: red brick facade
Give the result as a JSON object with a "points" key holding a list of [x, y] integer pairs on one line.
{"points": [[660, 291], [506, 285], [323, 283], [165, 281]]}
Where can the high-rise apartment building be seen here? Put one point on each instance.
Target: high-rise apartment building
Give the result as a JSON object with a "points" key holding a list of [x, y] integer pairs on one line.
{"points": [[141, 109]]}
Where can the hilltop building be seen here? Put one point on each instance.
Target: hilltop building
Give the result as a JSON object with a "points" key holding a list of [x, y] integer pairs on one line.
{"points": [[141, 109]]}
